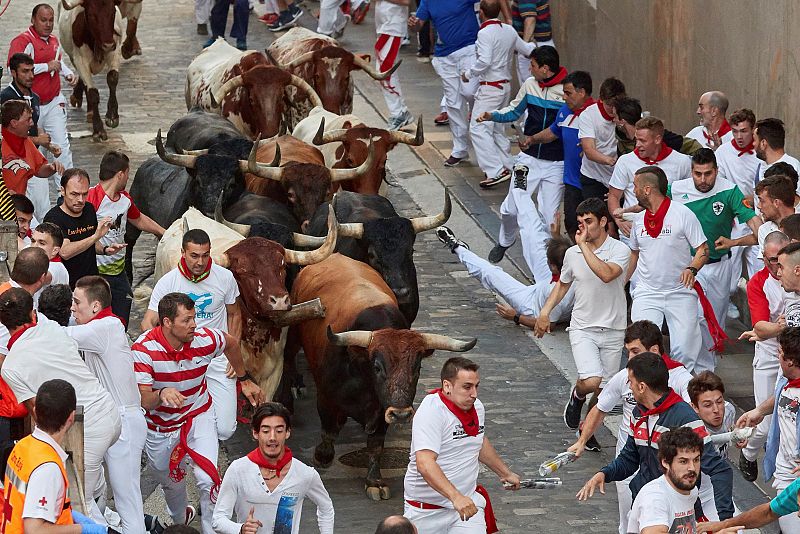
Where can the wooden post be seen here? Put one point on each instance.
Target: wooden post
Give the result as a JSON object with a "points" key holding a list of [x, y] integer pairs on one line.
{"points": [[73, 444], [8, 248]]}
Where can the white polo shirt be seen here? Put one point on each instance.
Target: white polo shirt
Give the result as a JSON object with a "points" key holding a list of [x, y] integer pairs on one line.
{"points": [[663, 259], [675, 165], [658, 503], [592, 124], [738, 167], [597, 303], [437, 429]]}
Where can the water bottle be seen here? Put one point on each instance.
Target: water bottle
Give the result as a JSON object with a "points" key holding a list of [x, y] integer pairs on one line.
{"points": [[549, 467], [737, 434]]}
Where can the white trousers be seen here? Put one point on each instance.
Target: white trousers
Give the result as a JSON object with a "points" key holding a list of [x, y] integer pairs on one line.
{"points": [[747, 254], [203, 439], [447, 520], [679, 308], [223, 397], [458, 95], [597, 351], [124, 463], [101, 429], [492, 147], [331, 18], [712, 278], [763, 388], [38, 191], [546, 180], [392, 92], [53, 120], [791, 522], [202, 10], [625, 502]]}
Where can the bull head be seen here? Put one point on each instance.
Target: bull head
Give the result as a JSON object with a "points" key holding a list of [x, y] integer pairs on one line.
{"points": [[189, 158], [238, 81], [272, 172], [340, 135], [356, 60]]}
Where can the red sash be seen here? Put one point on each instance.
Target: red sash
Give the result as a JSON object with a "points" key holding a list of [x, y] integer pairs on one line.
{"points": [[467, 418], [488, 512], [717, 333], [258, 458], [181, 450], [654, 222]]}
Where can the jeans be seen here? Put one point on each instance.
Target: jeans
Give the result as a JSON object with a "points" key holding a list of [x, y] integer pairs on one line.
{"points": [[219, 18], [121, 296]]}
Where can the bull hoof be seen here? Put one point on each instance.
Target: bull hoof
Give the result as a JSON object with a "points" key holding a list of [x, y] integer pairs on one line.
{"points": [[323, 459], [374, 494], [386, 493], [99, 136], [112, 122], [75, 102]]}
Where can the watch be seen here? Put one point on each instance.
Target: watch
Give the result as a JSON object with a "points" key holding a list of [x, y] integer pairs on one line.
{"points": [[104, 250], [693, 270], [245, 376], [516, 319]]}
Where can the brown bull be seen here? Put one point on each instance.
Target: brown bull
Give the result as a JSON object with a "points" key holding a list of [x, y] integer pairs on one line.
{"points": [[368, 371]]}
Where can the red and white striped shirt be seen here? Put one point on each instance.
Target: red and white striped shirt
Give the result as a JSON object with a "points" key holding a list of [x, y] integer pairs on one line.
{"points": [[158, 365], [767, 299]]}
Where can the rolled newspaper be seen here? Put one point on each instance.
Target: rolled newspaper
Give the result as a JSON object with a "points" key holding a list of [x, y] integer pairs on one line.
{"points": [[552, 465], [737, 434]]}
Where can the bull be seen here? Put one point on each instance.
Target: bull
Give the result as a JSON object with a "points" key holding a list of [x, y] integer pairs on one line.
{"points": [[244, 87], [90, 32], [344, 141], [325, 65], [368, 371], [201, 130], [131, 10]]}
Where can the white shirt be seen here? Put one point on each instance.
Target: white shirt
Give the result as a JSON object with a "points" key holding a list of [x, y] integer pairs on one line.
{"points": [[766, 228], [437, 429], [391, 19], [763, 166], [105, 349], [540, 294], [495, 49], [46, 491], [676, 166], [788, 403], [210, 296], [658, 503], [618, 390], [696, 133], [741, 170], [597, 303], [663, 259], [59, 275], [243, 487], [592, 124]]}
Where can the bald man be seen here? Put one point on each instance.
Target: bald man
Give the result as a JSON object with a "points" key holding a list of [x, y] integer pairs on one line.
{"points": [[396, 524], [714, 129]]}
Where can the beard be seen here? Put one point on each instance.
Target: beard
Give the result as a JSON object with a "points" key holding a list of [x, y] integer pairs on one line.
{"points": [[683, 483]]}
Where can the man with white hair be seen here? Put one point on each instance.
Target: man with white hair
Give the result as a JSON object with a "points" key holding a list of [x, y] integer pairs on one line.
{"points": [[714, 129]]}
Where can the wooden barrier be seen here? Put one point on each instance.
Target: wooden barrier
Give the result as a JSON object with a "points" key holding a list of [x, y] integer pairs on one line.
{"points": [[73, 445], [8, 248]]}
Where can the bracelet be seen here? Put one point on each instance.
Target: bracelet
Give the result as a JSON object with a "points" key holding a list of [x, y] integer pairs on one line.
{"points": [[106, 253], [516, 319], [245, 376], [159, 395], [691, 269]]}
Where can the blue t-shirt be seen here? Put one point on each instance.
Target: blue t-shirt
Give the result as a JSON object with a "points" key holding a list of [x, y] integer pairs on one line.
{"points": [[455, 21], [785, 502], [566, 128]]}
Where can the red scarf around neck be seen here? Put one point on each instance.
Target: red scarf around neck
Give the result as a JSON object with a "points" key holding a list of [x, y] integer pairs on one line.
{"points": [[718, 335], [554, 80], [577, 112], [184, 270], [467, 418], [14, 142], [258, 458], [671, 364], [793, 383], [724, 129], [654, 222], [106, 312], [602, 110], [742, 151], [16, 335], [662, 154], [491, 22], [666, 402]]}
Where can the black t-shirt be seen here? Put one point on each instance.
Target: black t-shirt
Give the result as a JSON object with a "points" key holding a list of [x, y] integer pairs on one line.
{"points": [[77, 229], [11, 92]]}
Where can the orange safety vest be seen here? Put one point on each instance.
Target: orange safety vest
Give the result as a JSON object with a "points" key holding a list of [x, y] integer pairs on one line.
{"points": [[28, 454], [9, 407]]}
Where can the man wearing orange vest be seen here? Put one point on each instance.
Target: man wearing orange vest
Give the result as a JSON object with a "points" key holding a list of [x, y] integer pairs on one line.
{"points": [[36, 486]]}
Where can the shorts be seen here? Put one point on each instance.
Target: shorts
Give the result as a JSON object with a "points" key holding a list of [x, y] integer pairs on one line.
{"points": [[597, 351]]}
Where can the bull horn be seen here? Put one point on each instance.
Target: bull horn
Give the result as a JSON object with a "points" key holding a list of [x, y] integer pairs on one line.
{"points": [[303, 85], [320, 135], [243, 229], [303, 240], [415, 139], [201, 152], [354, 230], [421, 224], [184, 225], [69, 7], [333, 136], [269, 171], [224, 260], [305, 58], [337, 175], [351, 338], [369, 69], [227, 87], [437, 342], [180, 160], [327, 248]]}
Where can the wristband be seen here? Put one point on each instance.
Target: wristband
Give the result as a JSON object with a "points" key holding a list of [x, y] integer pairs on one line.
{"points": [[159, 395], [245, 376], [516, 319], [104, 250], [693, 270]]}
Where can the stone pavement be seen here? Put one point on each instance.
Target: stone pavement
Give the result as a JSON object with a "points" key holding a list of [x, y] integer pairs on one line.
{"points": [[522, 386]]}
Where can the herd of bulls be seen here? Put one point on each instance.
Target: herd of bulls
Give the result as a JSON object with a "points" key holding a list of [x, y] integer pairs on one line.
{"points": [[323, 262]]}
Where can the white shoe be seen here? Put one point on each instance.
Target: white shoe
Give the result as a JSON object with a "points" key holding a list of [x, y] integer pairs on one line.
{"points": [[733, 311]]}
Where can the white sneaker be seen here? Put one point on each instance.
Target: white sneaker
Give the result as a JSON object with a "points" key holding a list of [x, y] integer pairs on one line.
{"points": [[400, 121], [733, 311]]}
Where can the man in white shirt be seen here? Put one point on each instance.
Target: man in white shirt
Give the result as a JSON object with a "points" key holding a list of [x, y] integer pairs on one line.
{"points": [[597, 267], [40, 350], [661, 239], [769, 137], [650, 150], [30, 273], [777, 200], [714, 130], [494, 48], [266, 489], [640, 337], [101, 338], [215, 293], [666, 504], [598, 140], [707, 394], [391, 17], [49, 237], [447, 443]]}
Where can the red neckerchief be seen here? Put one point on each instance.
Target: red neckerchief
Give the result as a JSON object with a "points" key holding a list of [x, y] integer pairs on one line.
{"points": [[258, 458], [106, 312], [718, 334], [16, 335], [793, 383], [725, 128], [14, 142], [742, 151], [577, 112], [468, 419], [654, 222], [605, 115], [669, 400], [554, 80], [56, 259], [184, 270], [490, 23], [662, 154], [181, 449], [555, 278], [671, 364]]}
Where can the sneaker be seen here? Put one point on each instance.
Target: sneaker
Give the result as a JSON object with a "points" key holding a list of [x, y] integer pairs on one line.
{"points": [[441, 119], [268, 18], [405, 41], [241, 44], [520, 176], [449, 239], [152, 524], [338, 33], [592, 445], [497, 253], [572, 410], [210, 42], [504, 176], [400, 121], [191, 513], [452, 161], [295, 12], [284, 22], [749, 469], [360, 12], [202, 29]]}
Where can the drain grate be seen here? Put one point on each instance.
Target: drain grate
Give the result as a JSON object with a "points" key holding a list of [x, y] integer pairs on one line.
{"points": [[393, 458]]}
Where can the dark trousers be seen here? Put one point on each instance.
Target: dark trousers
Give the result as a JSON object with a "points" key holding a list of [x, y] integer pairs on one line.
{"points": [[425, 37], [121, 296], [219, 18]]}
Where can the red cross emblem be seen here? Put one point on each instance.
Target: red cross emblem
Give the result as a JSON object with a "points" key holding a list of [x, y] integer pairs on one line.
{"points": [[42, 501]]}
